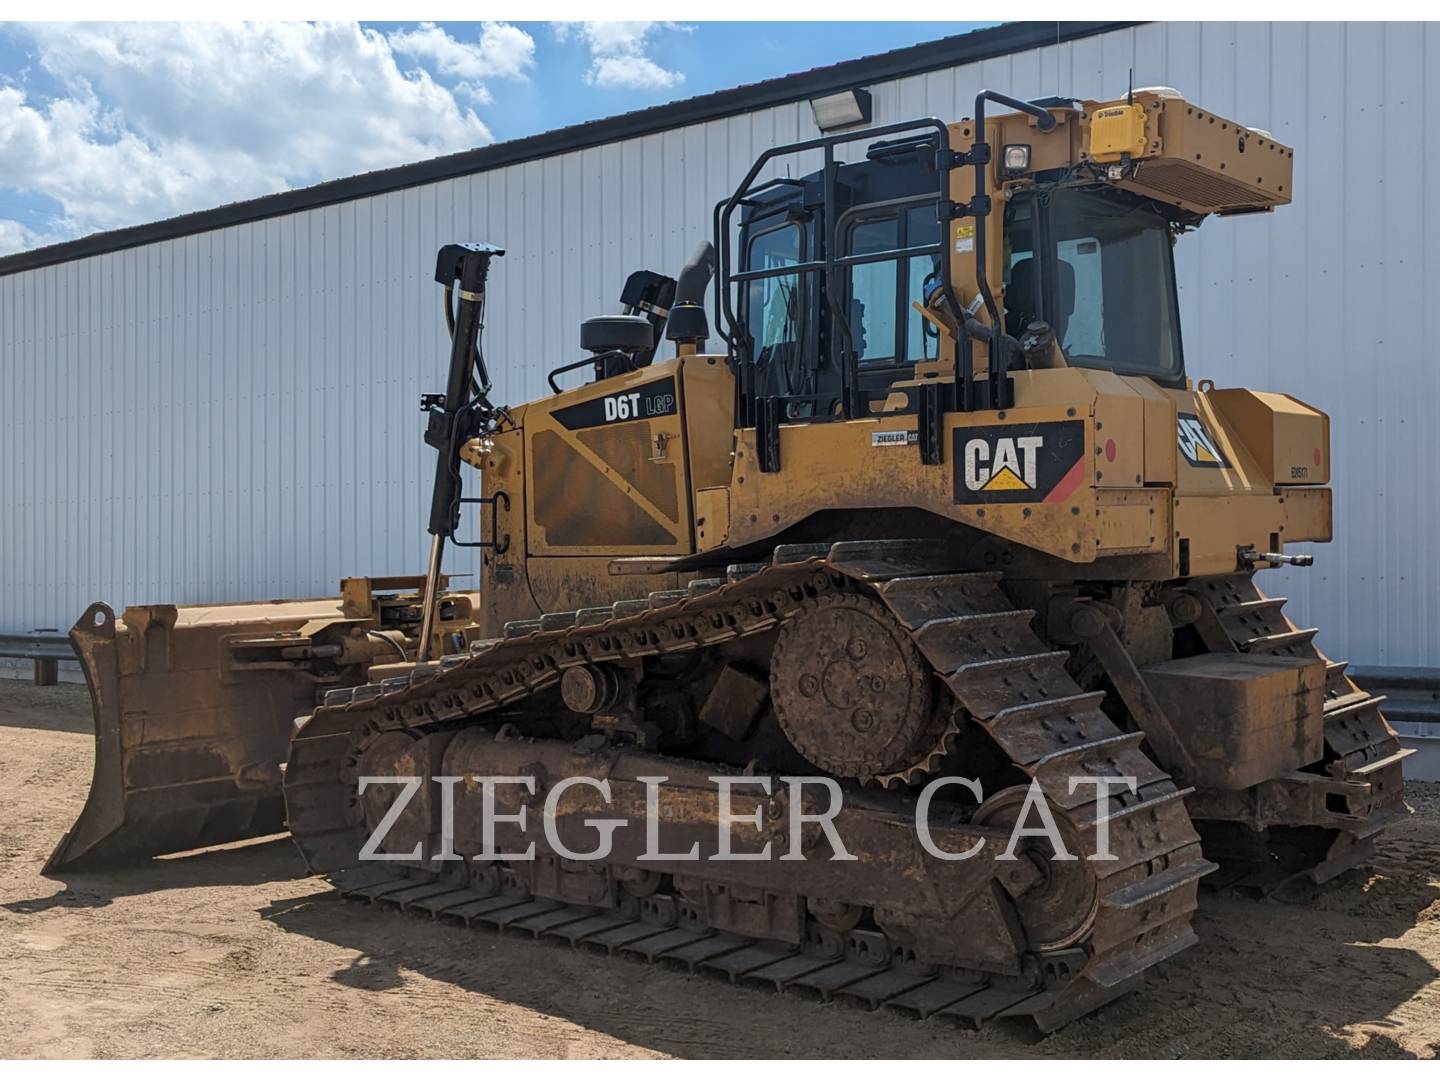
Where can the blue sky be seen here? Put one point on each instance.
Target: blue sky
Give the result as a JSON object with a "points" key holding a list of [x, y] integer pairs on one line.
{"points": [[104, 125]]}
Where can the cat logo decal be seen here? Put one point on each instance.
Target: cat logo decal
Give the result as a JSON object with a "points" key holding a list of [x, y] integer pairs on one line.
{"points": [[1019, 462], [1197, 445]]}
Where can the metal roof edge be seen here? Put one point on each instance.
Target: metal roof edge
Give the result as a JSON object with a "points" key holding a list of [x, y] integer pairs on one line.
{"points": [[953, 51]]}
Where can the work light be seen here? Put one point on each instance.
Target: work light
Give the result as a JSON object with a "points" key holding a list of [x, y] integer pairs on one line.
{"points": [[1016, 159], [845, 109]]}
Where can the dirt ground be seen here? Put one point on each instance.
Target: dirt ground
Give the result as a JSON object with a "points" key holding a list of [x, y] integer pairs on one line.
{"points": [[235, 952]]}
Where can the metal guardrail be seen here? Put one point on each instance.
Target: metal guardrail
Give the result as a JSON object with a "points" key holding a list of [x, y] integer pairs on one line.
{"points": [[1412, 695], [45, 647], [1412, 705]]}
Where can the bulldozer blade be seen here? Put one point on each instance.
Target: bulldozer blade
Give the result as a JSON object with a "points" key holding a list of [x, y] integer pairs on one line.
{"points": [[193, 708]]}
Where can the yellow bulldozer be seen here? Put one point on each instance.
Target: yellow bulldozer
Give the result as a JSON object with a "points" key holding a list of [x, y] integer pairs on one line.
{"points": [[928, 599]]}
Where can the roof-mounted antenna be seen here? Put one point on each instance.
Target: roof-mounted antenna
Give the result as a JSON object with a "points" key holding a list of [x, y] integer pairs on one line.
{"points": [[1130, 92]]}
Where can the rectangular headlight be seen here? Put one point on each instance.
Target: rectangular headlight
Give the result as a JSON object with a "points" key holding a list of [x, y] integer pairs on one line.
{"points": [[1015, 159]]}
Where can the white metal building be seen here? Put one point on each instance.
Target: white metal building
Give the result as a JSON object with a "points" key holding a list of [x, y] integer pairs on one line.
{"points": [[224, 405]]}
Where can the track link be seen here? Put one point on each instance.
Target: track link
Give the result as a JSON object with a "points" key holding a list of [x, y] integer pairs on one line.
{"points": [[1000, 672], [1362, 752]]}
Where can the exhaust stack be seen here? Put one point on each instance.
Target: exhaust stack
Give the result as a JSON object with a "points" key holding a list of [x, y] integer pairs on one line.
{"points": [[687, 325]]}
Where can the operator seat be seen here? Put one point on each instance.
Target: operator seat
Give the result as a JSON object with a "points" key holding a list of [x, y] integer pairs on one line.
{"points": [[1020, 297]]}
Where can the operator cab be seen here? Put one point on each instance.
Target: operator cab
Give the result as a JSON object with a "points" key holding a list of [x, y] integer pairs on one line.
{"points": [[885, 211], [1092, 261]]}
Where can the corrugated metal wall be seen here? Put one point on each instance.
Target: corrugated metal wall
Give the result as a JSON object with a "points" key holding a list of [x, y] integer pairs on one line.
{"points": [[233, 415]]}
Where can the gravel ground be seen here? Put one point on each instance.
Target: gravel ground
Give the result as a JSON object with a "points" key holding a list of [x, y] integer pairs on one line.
{"points": [[236, 952]]}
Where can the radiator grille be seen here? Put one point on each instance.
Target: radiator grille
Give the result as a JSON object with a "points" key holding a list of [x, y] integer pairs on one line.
{"points": [[1197, 186]]}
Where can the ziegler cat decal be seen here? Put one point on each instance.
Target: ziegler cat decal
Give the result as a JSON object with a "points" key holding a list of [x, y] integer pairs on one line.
{"points": [[1019, 462]]}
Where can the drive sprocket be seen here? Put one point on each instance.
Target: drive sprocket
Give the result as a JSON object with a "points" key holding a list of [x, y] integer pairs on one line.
{"points": [[851, 691]]}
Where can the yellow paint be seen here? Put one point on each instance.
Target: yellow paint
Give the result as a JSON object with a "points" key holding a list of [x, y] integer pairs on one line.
{"points": [[1006, 480], [1116, 130]]}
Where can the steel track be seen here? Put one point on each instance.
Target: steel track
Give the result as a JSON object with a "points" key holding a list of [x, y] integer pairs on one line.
{"points": [[983, 648], [1360, 746]]}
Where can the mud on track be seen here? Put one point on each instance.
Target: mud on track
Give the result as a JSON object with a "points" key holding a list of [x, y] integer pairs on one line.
{"points": [[234, 952]]}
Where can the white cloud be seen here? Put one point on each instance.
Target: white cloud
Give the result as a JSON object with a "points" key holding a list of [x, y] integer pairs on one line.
{"points": [[618, 54], [15, 236], [156, 119], [502, 52]]}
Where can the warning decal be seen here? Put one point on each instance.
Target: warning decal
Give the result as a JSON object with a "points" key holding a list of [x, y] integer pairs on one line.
{"points": [[1019, 462], [1197, 445]]}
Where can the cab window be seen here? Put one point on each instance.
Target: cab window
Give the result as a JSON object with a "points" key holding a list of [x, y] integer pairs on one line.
{"points": [[921, 227], [873, 290], [884, 327], [1099, 270], [774, 315]]}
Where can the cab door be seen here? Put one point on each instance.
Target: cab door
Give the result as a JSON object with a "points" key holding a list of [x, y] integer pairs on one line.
{"points": [[606, 468]]}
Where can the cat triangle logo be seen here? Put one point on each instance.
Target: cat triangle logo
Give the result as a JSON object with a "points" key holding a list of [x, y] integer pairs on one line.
{"points": [[1005, 480], [1019, 463], [1197, 445]]}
